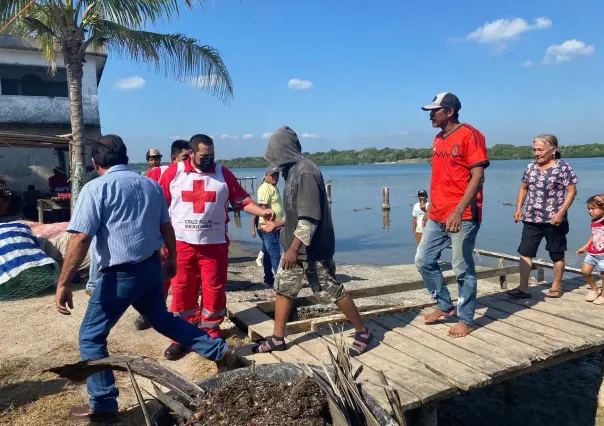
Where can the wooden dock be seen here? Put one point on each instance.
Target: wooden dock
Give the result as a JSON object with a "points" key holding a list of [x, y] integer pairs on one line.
{"points": [[513, 337]]}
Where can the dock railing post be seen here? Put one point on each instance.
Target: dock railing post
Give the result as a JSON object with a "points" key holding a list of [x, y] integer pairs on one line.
{"points": [[541, 275], [328, 190], [503, 283]]}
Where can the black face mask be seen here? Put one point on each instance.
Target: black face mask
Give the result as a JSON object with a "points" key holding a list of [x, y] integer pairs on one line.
{"points": [[207, 163]]}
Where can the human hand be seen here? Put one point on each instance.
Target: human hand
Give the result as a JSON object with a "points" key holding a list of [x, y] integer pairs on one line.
{"points": [[453, 223], [254, 233], [268, 215], [269, 227], [518, 216], [169, 268], [557, 219], [424, 221], [289, 259], [581, 250], [64, 299]]}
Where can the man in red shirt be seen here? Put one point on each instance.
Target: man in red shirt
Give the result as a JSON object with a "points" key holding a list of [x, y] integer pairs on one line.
{"points": [[154, 157], [459, 158], [198, 192]]}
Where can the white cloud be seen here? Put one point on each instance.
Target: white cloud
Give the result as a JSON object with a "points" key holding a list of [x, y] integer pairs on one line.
{"points": [[228, 137], [267, 135], [204, 81], [527, 64], [399, 133], [310, 136], [501, 31], [567, 51], [248, 136], [130, 83], [297, 84]]}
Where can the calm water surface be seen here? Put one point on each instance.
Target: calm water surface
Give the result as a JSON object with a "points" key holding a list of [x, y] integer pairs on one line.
{"points": [[361, 237]]}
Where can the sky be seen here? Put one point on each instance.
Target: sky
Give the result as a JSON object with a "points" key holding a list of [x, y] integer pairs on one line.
{"points": [[352, 74]]}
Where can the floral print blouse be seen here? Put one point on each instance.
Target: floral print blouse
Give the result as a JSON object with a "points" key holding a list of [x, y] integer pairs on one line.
{"points": [[546, 190]]}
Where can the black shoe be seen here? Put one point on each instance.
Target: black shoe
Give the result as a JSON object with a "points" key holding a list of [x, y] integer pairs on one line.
{"points": [[141, 323], [230, 361], [175, 352]]}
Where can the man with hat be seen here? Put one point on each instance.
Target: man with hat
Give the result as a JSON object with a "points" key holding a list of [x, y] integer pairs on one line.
{"points": [[419, 212], [154, 161], [459, 158], [269, 197]]}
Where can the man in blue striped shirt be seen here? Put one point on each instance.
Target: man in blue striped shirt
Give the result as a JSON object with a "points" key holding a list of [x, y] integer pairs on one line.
{"points": [[125, 214]]}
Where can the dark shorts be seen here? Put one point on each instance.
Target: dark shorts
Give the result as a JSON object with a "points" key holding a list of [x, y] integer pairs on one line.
{"points": [[555, 239]]}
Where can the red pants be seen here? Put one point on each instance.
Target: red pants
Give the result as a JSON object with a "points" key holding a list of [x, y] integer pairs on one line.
{"points": [[210, 262]]}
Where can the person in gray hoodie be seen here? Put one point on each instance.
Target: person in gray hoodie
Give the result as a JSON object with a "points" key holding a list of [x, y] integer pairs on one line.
{"points": [[308, 238]]}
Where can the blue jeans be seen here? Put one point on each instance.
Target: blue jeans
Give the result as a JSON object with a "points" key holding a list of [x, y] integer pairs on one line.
{"points": [[272, 254], [94, 274], [433, 242], [139, 285]]}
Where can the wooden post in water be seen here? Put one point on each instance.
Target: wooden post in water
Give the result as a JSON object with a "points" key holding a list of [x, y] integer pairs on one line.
{"points": [[237, 215], [385, 198], [328, 190], [386, 220]]}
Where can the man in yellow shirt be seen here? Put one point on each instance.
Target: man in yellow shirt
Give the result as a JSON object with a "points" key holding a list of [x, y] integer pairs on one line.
{"points": [[269, 197]]}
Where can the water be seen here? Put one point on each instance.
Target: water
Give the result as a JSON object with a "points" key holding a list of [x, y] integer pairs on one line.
{"points": [[362, 239]]}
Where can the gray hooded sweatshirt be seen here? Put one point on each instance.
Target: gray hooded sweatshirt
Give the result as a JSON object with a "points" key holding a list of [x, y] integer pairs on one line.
{"points": [[304, 196]]}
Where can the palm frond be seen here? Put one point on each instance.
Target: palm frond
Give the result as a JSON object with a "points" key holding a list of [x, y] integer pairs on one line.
{"points": [[132, 13], [48, 49], [10, 8], [173, 55]]}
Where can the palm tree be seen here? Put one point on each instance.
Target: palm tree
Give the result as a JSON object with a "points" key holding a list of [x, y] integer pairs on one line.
{"points": [[72, 27]]}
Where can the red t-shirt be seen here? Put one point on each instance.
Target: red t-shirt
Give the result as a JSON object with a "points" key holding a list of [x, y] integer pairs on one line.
{"points": [[452, 159], [156, 172], [237, 195], [596, 247]]}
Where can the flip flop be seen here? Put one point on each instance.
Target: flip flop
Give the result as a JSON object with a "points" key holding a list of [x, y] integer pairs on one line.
{"points": [[519, 294], [554, 294]]}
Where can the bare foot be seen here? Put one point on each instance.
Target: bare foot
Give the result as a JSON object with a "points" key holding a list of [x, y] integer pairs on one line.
{"points": [[460, 330], [435, 315]]}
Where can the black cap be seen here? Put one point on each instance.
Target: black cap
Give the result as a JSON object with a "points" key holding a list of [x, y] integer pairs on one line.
{"points": [[444, 100], [422, 193]]}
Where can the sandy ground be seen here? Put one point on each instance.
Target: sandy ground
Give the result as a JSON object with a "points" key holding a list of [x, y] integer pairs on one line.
{"points": [[34, 336]]}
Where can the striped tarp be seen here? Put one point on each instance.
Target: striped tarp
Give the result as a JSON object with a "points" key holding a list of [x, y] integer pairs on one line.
{"points": [[19, 251]]}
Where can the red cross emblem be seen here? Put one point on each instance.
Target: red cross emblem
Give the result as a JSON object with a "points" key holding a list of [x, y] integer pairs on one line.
{"points": [[199, 196]]}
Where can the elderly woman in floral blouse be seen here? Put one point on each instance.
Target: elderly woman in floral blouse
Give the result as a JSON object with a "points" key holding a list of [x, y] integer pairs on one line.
{"points": [[548, 188]]}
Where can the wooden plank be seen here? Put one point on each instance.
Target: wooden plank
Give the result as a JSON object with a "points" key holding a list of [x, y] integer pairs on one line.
{"points": [[314, 323], [536, 263], [464, 369], [401, 369], [574, 343], [246, 352], [259, 324], [563, 310], [591, 336], [358, 293], [508, 360], [546, 347], [494, 338], [369, 380]]}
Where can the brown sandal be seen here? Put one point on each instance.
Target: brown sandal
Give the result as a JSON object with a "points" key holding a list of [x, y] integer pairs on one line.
{"points": [[554, 294]]}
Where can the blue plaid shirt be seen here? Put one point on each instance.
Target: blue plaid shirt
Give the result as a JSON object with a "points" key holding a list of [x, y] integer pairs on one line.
{"points": [[123, 211]]}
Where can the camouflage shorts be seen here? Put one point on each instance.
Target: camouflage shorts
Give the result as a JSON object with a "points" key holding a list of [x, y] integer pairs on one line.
{"points": [[320, 274]]}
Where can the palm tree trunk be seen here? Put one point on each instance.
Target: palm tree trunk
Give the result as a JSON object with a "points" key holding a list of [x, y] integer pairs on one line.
{"points": [[75, 68]]}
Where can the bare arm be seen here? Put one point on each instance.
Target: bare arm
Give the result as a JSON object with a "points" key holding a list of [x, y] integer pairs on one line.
{"points": [[571, 194], [522, 193], [474, 186], [167, 232], [414, 223], [252, 208], [76, 252]]}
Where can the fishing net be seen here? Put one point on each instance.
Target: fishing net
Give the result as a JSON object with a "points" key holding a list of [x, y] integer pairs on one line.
{"points": [[30, 282]]}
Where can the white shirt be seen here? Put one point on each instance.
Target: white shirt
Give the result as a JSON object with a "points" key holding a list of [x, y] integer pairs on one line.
{"points": [[419, 214]]}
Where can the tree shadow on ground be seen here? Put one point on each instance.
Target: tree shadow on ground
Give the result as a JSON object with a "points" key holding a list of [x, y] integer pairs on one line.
{"points": [[241, 259]]}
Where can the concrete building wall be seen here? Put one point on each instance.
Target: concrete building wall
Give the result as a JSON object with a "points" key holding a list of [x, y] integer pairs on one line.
{"points": [[43, 109]]}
